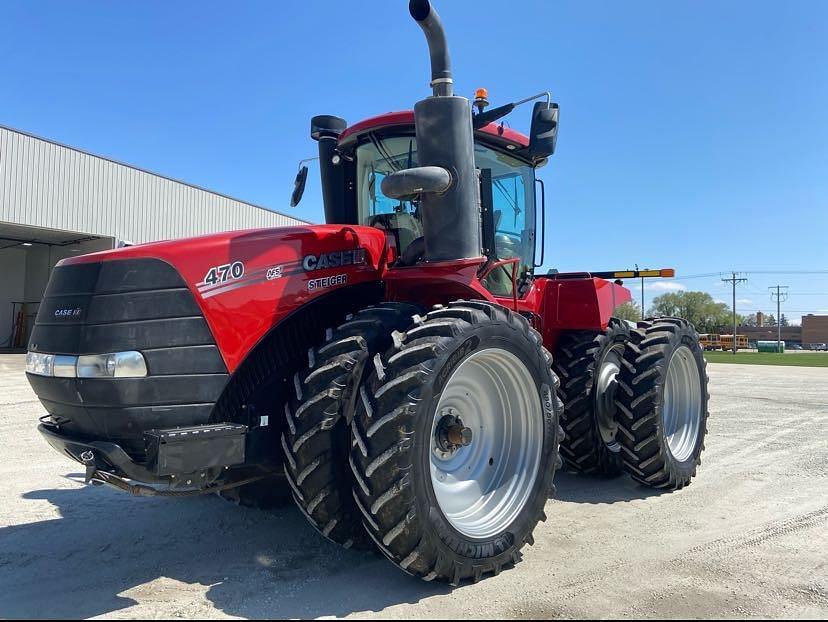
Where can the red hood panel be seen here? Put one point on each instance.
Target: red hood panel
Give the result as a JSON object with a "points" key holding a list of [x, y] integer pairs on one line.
{"points": [[247, 281]]}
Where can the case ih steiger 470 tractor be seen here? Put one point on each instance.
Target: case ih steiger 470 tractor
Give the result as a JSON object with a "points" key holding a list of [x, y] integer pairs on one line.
{"points": [[400, 370]]}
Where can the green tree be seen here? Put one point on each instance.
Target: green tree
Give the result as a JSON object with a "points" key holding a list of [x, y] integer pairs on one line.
{"points": [[699, 308], [750, 320], [783, 321], [770, 320], [628, 311]]}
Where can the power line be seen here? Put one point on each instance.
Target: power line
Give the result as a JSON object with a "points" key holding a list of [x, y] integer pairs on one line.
{"points": [[786, 271], [699, 276], [705, 275]]}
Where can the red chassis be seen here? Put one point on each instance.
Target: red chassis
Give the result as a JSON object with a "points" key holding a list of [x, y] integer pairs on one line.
{"points": [[247, 282]]}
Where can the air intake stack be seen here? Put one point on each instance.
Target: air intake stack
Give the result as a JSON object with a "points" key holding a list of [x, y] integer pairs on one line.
{"points": [[446, 180]]}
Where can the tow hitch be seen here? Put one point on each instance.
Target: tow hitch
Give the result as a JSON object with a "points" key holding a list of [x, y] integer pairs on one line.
{"points": [[100, 478]]}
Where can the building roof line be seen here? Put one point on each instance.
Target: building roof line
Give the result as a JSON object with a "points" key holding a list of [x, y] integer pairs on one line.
{"points": [[148, 172]]}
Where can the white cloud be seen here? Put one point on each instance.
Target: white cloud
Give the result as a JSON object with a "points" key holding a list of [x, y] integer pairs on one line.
{"points": [[721, 302], [744, 301], [666, 286]]}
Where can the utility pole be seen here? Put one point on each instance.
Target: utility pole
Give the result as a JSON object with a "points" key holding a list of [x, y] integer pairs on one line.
{"points": [[734, 280], [780, 297]]}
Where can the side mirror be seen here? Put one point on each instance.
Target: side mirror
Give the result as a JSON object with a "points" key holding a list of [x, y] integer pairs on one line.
{"points": [[544, 131], [299, 186]]}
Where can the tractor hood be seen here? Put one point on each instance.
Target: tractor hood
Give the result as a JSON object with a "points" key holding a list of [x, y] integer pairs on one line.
{"points": [[243, 282]]}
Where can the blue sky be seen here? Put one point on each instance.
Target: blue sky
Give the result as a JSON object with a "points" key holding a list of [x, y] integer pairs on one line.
{"points": [[693, 134]]}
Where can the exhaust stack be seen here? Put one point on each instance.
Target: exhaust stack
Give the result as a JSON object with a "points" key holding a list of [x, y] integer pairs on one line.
{"points": [[445, 140], [429, 21]]}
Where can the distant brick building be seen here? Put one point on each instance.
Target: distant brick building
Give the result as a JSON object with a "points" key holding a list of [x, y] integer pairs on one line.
{"points": [[790, 334], [815, 329]]}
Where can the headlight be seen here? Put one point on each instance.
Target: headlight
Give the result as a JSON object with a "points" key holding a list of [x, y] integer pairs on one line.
{"points": [[40, 364], [64, 366], [115, 365]]}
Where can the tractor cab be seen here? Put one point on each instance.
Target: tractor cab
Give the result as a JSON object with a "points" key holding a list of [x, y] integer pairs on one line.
{"points": [[512, 191], [368, 152]]}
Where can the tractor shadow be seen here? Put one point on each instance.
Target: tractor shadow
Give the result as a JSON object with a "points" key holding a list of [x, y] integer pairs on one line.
{"points": [[575, 488], [105, 552]]}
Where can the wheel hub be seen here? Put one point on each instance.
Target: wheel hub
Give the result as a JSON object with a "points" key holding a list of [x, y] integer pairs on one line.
{"points": [[486, 441], [606, 383], [450, 435]]}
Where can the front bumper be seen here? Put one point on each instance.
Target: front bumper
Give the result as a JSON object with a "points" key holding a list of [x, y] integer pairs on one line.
{"points": [[195, 456], [101, 455]]}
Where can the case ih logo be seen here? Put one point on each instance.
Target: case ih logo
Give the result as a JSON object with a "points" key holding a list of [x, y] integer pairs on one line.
{"points": [[336, 259], [68, 312]]}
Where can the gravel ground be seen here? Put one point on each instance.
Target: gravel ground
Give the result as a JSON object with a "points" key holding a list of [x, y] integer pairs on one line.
{"points": [[748, 538]]}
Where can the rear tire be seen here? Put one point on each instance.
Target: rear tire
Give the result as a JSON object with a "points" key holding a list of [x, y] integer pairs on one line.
{"points": [[316, 439], [587, 364], [662, 401], [441, 371]]}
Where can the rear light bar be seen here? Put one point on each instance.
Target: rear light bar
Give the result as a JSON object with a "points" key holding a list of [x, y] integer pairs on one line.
{"points": [[129, 364], [664, 273]]}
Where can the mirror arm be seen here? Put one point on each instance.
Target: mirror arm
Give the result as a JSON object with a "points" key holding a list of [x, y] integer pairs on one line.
{"points": [[301, 162], [482, 119], [545, 94]]}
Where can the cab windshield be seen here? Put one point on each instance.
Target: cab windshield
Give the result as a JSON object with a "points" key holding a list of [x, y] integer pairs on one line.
{"points": [[513, 198]]}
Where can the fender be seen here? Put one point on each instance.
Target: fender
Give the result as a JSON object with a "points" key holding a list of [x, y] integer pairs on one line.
{"points": [[247, 282], [570, 302]]}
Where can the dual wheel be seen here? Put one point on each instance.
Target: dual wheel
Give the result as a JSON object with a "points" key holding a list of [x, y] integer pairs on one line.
{"points": [[436, 437], [635, 400], [432, 437]]}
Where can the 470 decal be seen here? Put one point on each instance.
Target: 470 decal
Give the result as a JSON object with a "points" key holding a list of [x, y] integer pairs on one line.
{"points": [[223, 273]]}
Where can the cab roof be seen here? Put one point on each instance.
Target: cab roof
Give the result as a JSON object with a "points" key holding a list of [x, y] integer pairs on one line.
{"points": [[501, 134]]}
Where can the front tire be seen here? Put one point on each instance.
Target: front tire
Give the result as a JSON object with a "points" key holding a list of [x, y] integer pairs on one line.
{"points": [[316, 439], [662, 401], [455, 442]]}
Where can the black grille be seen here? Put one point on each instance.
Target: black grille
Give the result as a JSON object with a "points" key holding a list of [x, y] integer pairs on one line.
{"points": [[129, 304]]}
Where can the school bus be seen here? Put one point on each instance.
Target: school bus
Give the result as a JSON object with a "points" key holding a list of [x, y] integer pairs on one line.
{"points": [[710, 341], [727, 342]]}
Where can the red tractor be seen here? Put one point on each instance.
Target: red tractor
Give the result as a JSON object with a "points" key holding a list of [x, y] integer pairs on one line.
{"points": [[393, 368]]}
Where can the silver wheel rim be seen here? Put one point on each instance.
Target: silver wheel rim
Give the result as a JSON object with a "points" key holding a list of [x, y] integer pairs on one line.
{"points": [[681, 410], [605, 386], [483, 486]]}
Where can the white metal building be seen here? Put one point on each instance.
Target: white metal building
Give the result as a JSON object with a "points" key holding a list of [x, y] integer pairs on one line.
{"points": [[57, 201]]}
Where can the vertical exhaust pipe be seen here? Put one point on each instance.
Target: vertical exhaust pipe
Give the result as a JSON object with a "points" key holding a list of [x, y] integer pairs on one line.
{"points": [[429, 21]]}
